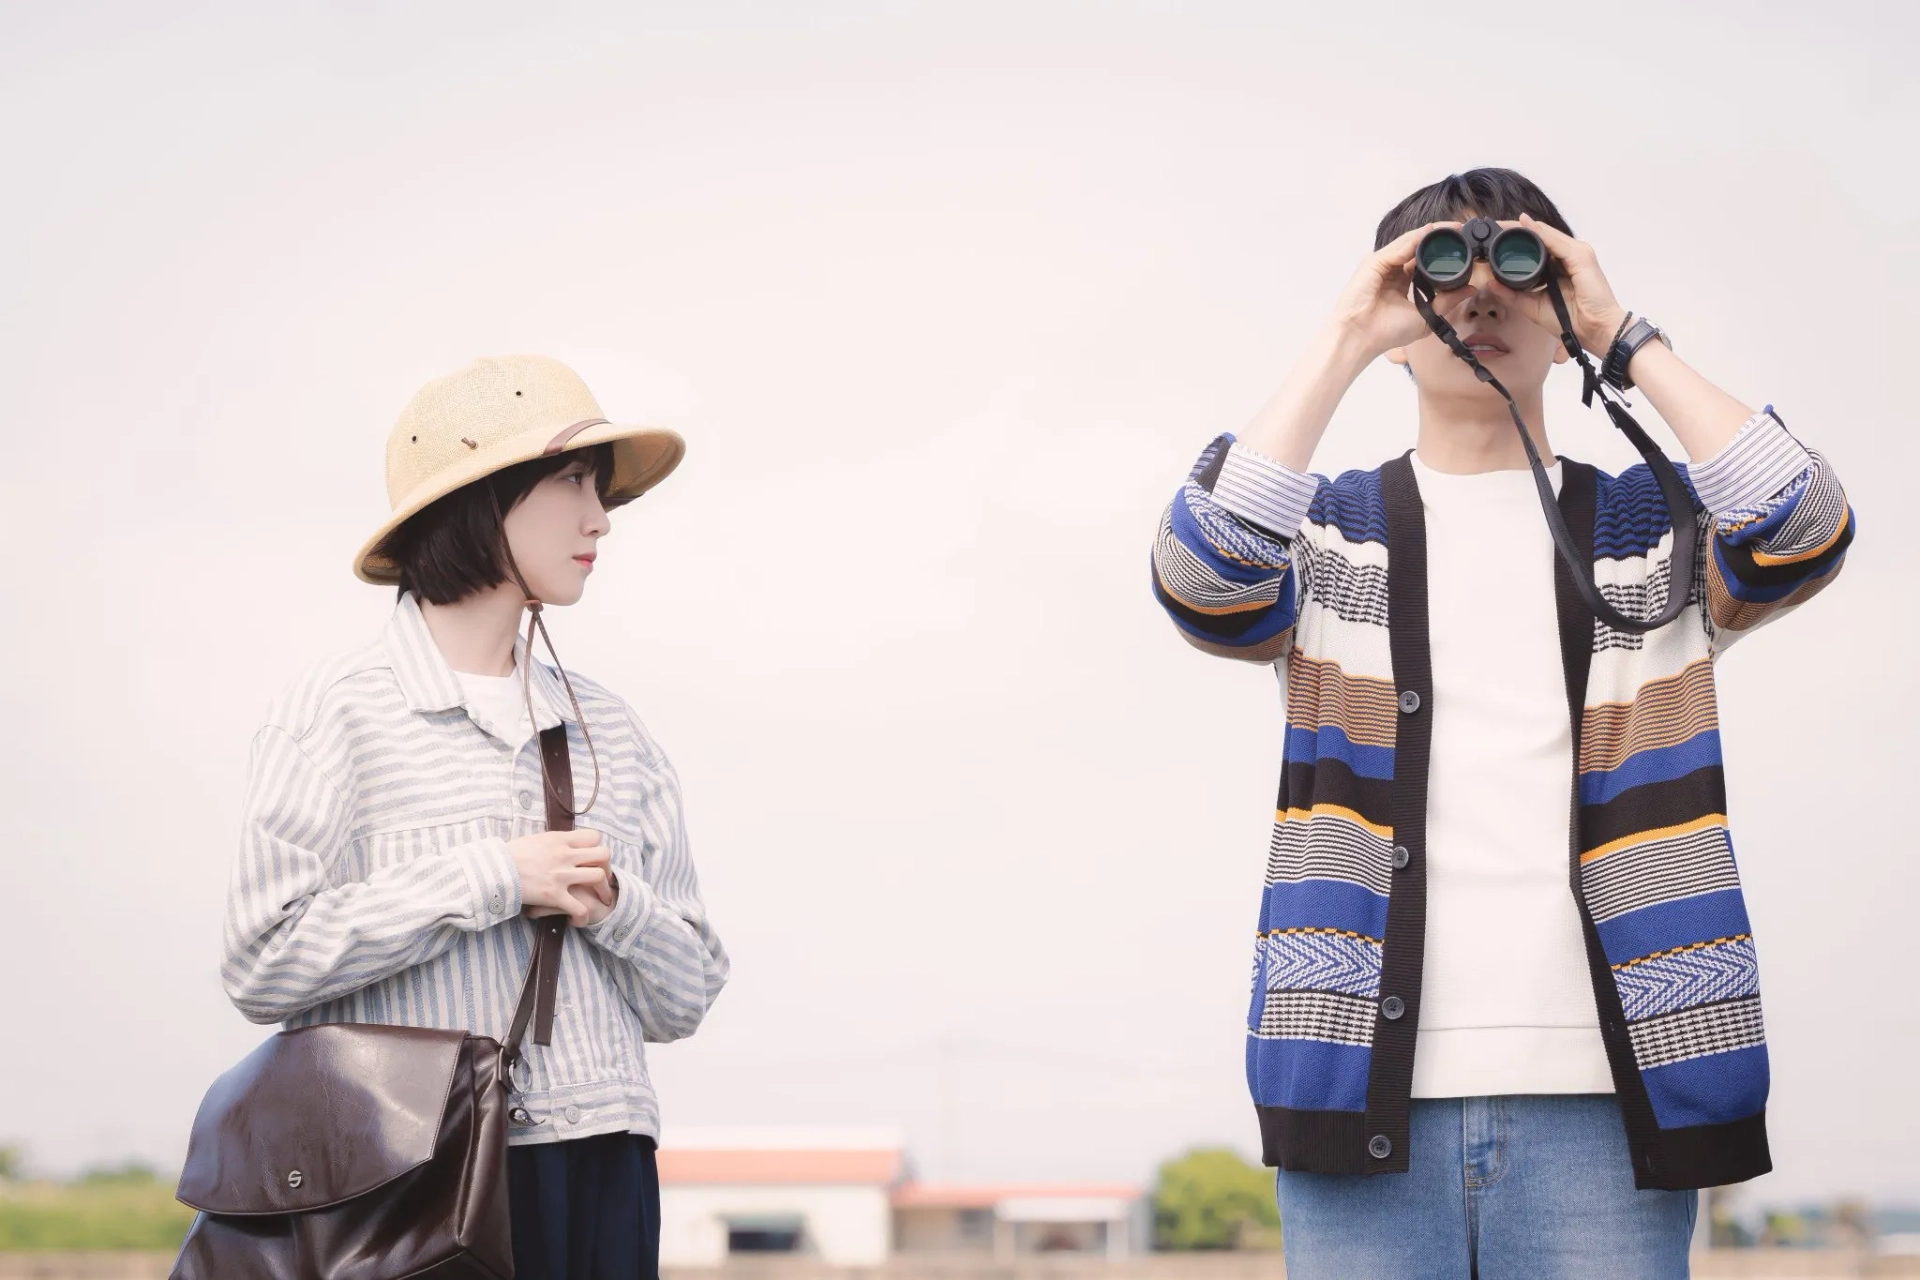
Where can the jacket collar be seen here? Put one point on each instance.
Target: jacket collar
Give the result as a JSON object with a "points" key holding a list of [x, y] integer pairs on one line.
{"points": [[429, 684]]}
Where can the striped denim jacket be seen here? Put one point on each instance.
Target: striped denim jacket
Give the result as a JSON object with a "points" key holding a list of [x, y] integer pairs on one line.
{"points": [[1328, 578], [374, 884]]}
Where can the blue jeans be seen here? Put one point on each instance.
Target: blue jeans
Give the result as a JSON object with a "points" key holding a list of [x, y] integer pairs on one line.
{"points": [[1538, 1187]]}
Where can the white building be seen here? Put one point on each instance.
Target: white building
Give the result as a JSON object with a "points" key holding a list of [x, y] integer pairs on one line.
{"points": [[1108, 1221], [824, 1192], [845, 1196]]}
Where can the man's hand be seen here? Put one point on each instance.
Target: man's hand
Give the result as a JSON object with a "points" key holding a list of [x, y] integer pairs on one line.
{"points": [[563, 873], [1596, 314], [1376, 307]]}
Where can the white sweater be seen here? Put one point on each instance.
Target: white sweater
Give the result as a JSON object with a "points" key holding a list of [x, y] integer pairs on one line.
{"points": [[1506, 1003]]}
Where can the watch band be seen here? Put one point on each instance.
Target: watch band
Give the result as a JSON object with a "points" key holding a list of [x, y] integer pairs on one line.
{"points": [[1613, 370]]}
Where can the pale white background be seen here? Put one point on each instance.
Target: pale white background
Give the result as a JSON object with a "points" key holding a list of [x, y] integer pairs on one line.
{"points": [[945, 298]]}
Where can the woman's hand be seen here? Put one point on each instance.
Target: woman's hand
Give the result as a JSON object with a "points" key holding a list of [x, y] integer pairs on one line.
{"points": [[1376, 307], [598, 902], [564, 873], [1595, 313]]}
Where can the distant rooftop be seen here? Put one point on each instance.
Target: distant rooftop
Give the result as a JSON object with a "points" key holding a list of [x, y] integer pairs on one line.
{"points": [[933, 1195], [719, 1167], [782, 1155]]}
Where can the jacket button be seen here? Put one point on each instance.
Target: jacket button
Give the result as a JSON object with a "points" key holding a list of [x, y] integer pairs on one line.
{"points": [[1401, 857], [526, 799], [1409, 702], [573, 1115], [1392, 1007], [496, 904], [1380, 1146]]}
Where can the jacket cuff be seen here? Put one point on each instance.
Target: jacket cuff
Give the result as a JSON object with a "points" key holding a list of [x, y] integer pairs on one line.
{"points": [[1263, 492], [1759, 462], [631, 911], [494, 881]]}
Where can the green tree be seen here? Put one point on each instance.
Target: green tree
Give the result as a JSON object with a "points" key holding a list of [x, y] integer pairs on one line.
{"points": [[12, 1162], [1210, 1198]]}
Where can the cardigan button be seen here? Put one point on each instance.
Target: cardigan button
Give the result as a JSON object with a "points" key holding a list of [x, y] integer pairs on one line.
{"points": [[1409, 702], [1392, 1008], [1380, 1146], [1401, 857]]}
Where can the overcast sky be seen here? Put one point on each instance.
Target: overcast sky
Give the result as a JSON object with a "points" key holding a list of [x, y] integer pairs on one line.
{"points": [[945, 298]]}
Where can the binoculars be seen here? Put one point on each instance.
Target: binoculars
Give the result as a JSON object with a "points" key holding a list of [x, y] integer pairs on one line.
{"points": [[1444, 257]]}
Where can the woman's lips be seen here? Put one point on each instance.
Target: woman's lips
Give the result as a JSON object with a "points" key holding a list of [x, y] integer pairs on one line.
{"points": [[585, 562]]}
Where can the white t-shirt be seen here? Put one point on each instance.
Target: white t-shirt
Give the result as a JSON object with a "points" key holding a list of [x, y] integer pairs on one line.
{"points": [[499, 705], [1506, 1003]]}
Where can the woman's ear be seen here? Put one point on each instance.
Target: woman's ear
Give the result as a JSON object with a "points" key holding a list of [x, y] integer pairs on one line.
{"points": [[1398, 355], [1560, 352]]}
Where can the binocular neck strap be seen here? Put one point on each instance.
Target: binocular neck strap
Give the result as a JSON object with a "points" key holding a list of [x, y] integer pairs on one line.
{"points": [[1686, 533]]}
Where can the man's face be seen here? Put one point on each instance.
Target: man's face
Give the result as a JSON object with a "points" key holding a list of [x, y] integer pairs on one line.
{"points": [[1515, 349]]}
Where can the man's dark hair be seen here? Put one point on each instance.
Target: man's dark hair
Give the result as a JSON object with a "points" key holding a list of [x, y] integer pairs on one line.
{"points": [[1500, 194], [453, 546]]}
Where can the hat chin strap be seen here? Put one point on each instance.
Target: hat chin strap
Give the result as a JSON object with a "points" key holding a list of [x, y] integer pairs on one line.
{"points": [[535, 622]]}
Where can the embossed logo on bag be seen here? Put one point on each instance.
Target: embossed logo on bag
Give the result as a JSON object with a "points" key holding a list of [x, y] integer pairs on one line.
{"points": [[295, 1178]]}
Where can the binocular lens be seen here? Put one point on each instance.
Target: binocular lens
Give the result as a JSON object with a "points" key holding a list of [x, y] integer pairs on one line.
{"points": [[1444, 255], [1518, 256]]}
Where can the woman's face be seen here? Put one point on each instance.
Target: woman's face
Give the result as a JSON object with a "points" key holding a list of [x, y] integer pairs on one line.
{"points": [[554, 532]]}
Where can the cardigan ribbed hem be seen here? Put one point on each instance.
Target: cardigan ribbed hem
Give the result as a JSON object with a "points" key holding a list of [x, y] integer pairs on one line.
{"points": [[1708, 1155]]}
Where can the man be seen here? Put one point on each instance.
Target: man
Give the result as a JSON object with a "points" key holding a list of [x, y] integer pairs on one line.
{"points": [[1543, 1046]]}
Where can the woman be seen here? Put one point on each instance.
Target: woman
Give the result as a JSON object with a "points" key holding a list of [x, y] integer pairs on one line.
{"points": [[395, 845]]}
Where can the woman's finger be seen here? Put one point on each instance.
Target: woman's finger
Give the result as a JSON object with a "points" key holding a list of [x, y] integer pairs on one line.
{"points": [[589, 856]]}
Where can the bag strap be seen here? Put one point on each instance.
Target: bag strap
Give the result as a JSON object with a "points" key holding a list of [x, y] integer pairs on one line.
{"points": [[1673, 490], [542, 982]]}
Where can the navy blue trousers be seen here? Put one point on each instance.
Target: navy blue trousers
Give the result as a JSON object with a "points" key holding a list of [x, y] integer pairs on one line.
{"points": [[588, 1209]]}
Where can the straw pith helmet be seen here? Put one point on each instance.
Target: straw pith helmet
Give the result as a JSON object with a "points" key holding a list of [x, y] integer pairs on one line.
{"points": [[498, 411]]}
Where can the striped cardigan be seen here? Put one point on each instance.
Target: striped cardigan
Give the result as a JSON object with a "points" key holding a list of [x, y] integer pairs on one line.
{"points": [[1255, 561]]}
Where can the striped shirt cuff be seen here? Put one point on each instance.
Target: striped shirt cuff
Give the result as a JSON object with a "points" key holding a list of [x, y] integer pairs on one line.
{"points": [[494, 879], [1761, 460], [631, 910], [1264, 492]]}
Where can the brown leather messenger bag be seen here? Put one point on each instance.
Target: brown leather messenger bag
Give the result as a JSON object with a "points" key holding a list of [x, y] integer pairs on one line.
{"points": [[356, 1151]]}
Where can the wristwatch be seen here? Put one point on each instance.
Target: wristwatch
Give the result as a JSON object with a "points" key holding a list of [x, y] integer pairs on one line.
{"points": [[1613, 370]]}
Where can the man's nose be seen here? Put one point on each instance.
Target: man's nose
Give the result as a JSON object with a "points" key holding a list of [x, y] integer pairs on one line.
{"points": [[1481, 300]]}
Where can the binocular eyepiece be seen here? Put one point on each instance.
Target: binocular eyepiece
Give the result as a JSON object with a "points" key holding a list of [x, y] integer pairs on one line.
{"points": [[1444, 257]]}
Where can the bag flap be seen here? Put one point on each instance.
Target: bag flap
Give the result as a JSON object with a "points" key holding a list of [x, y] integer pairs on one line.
{"points": [[318, 1115]]}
